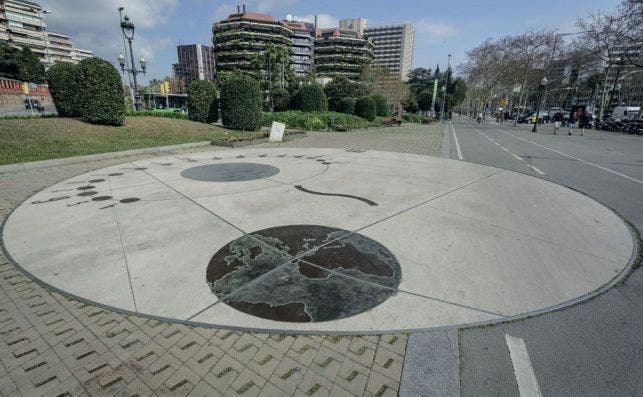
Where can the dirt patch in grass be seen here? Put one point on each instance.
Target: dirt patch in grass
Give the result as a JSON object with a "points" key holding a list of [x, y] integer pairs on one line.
{"points": [[50, 138]]}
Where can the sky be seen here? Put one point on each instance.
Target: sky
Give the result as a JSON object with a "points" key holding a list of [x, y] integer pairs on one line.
{"points": [[442, 27]]}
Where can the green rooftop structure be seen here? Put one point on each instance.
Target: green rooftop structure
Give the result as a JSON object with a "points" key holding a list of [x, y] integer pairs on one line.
{"points": [[341, 52], [237, 38]]}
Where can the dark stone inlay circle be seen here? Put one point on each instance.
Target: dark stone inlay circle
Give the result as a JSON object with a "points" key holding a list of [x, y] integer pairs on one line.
{"points": [[115, 174], [89, 187], [96, 180], [140, 168], [87, 193], [101, 198], [129, 200], [337, 274], [230, 172]]}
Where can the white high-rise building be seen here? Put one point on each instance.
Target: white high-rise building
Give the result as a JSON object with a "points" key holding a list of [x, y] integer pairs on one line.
{"points": [[393, 47], [22, 25], [356, 24]]}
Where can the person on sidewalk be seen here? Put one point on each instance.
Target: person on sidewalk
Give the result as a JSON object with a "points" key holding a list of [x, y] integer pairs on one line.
{"points": [[571, 122], [582, 121], [558, 119]]}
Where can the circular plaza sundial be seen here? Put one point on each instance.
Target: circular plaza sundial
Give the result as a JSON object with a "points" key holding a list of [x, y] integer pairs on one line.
{"points": [[317, 240]]}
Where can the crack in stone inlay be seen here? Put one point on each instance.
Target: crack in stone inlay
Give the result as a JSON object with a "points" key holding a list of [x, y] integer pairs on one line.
{"points": [[230, 172], [303, 273]]}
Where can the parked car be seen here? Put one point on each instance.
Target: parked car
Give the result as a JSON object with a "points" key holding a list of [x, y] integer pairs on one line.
{"points": [[35, 104]]}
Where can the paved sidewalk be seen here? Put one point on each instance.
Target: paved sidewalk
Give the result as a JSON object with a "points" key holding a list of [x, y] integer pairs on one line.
{"points": [[53, 345]]}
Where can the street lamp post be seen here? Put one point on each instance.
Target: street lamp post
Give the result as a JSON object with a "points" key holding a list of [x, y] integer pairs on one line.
{"points": [[44, 36], [128, 31], [543, 86], [444, 89]]}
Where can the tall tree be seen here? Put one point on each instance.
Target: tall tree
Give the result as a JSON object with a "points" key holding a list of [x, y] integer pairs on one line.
{"points": [[420, 79], [30, 67]]}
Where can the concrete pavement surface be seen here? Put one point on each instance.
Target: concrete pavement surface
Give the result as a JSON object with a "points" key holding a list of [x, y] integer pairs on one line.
{"points": [[54, 345]]}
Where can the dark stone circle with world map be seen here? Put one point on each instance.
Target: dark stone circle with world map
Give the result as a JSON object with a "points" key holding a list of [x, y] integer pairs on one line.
{"points": [[303, 273], [230, 172]]}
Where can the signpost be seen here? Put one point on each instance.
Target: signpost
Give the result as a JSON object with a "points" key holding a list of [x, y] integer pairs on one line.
{"points": [[277, 132]]}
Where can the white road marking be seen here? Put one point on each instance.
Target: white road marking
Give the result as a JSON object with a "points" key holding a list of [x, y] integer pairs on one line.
{"points": [[524, 372], [575, 158], [457, 144], [536, 169], [508, 151]]}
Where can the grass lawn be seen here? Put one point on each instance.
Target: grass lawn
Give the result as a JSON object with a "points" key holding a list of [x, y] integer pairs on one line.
{"points": [[24, 140]]}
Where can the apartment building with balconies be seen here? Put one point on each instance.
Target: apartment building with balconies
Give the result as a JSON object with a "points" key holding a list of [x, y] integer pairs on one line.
{"points": [[393, 47]]}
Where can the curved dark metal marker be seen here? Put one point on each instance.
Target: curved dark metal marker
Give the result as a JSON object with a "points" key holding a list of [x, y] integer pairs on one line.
{"points": [[367, 201]]}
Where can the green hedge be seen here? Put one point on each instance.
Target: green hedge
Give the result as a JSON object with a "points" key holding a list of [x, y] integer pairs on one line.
{"points": [[365, 108], [295, 119], [241, 103], [311, 98], [152, 113], [347, 105], [202, 102], [381, 105], [280, 100], [101, 92], [62, 79], [413, 118]]}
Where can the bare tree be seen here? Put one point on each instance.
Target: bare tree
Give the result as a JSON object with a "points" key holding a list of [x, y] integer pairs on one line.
{"points": [[608, 38]]}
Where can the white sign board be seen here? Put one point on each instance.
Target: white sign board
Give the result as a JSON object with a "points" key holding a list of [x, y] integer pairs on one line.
{"points": [[277, 132]]}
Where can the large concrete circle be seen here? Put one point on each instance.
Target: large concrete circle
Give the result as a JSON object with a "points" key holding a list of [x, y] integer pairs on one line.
{"points": [[475, 244]]}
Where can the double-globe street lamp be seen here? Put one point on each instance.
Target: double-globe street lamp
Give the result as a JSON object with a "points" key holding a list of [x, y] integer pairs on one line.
{"points": [[128, 31], [543, 87]]}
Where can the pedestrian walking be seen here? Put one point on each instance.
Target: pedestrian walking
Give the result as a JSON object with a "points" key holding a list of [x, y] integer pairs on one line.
{"points": [[582, 120], [558, 118], [572, 121]]}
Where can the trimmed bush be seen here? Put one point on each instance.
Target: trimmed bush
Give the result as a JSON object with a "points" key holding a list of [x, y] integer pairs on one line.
{"points": [[365, 108], [101, 92], [62, 79], [281, 100], [311, 98], [347, 105], [381, 105], [202, 102], [241, 103], [295, 119], [410, 105], [338, 88]]}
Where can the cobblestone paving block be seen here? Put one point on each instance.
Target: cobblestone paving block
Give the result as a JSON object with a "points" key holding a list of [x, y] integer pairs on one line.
{"points": [[388, 363], [55, 345], [180, 382], [381, 386], [204, 359], [157, 373], [69, 387], [326, 363], [247, 383], [304, 349], [362, 351], [224, 372], [7, 386], [187, 346], [288, 375], [204, 389], [352, 376], [265, 361], [136, 388]]}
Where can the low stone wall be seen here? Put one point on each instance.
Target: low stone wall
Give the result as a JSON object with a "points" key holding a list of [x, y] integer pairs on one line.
{"points": [[11, 93]]}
